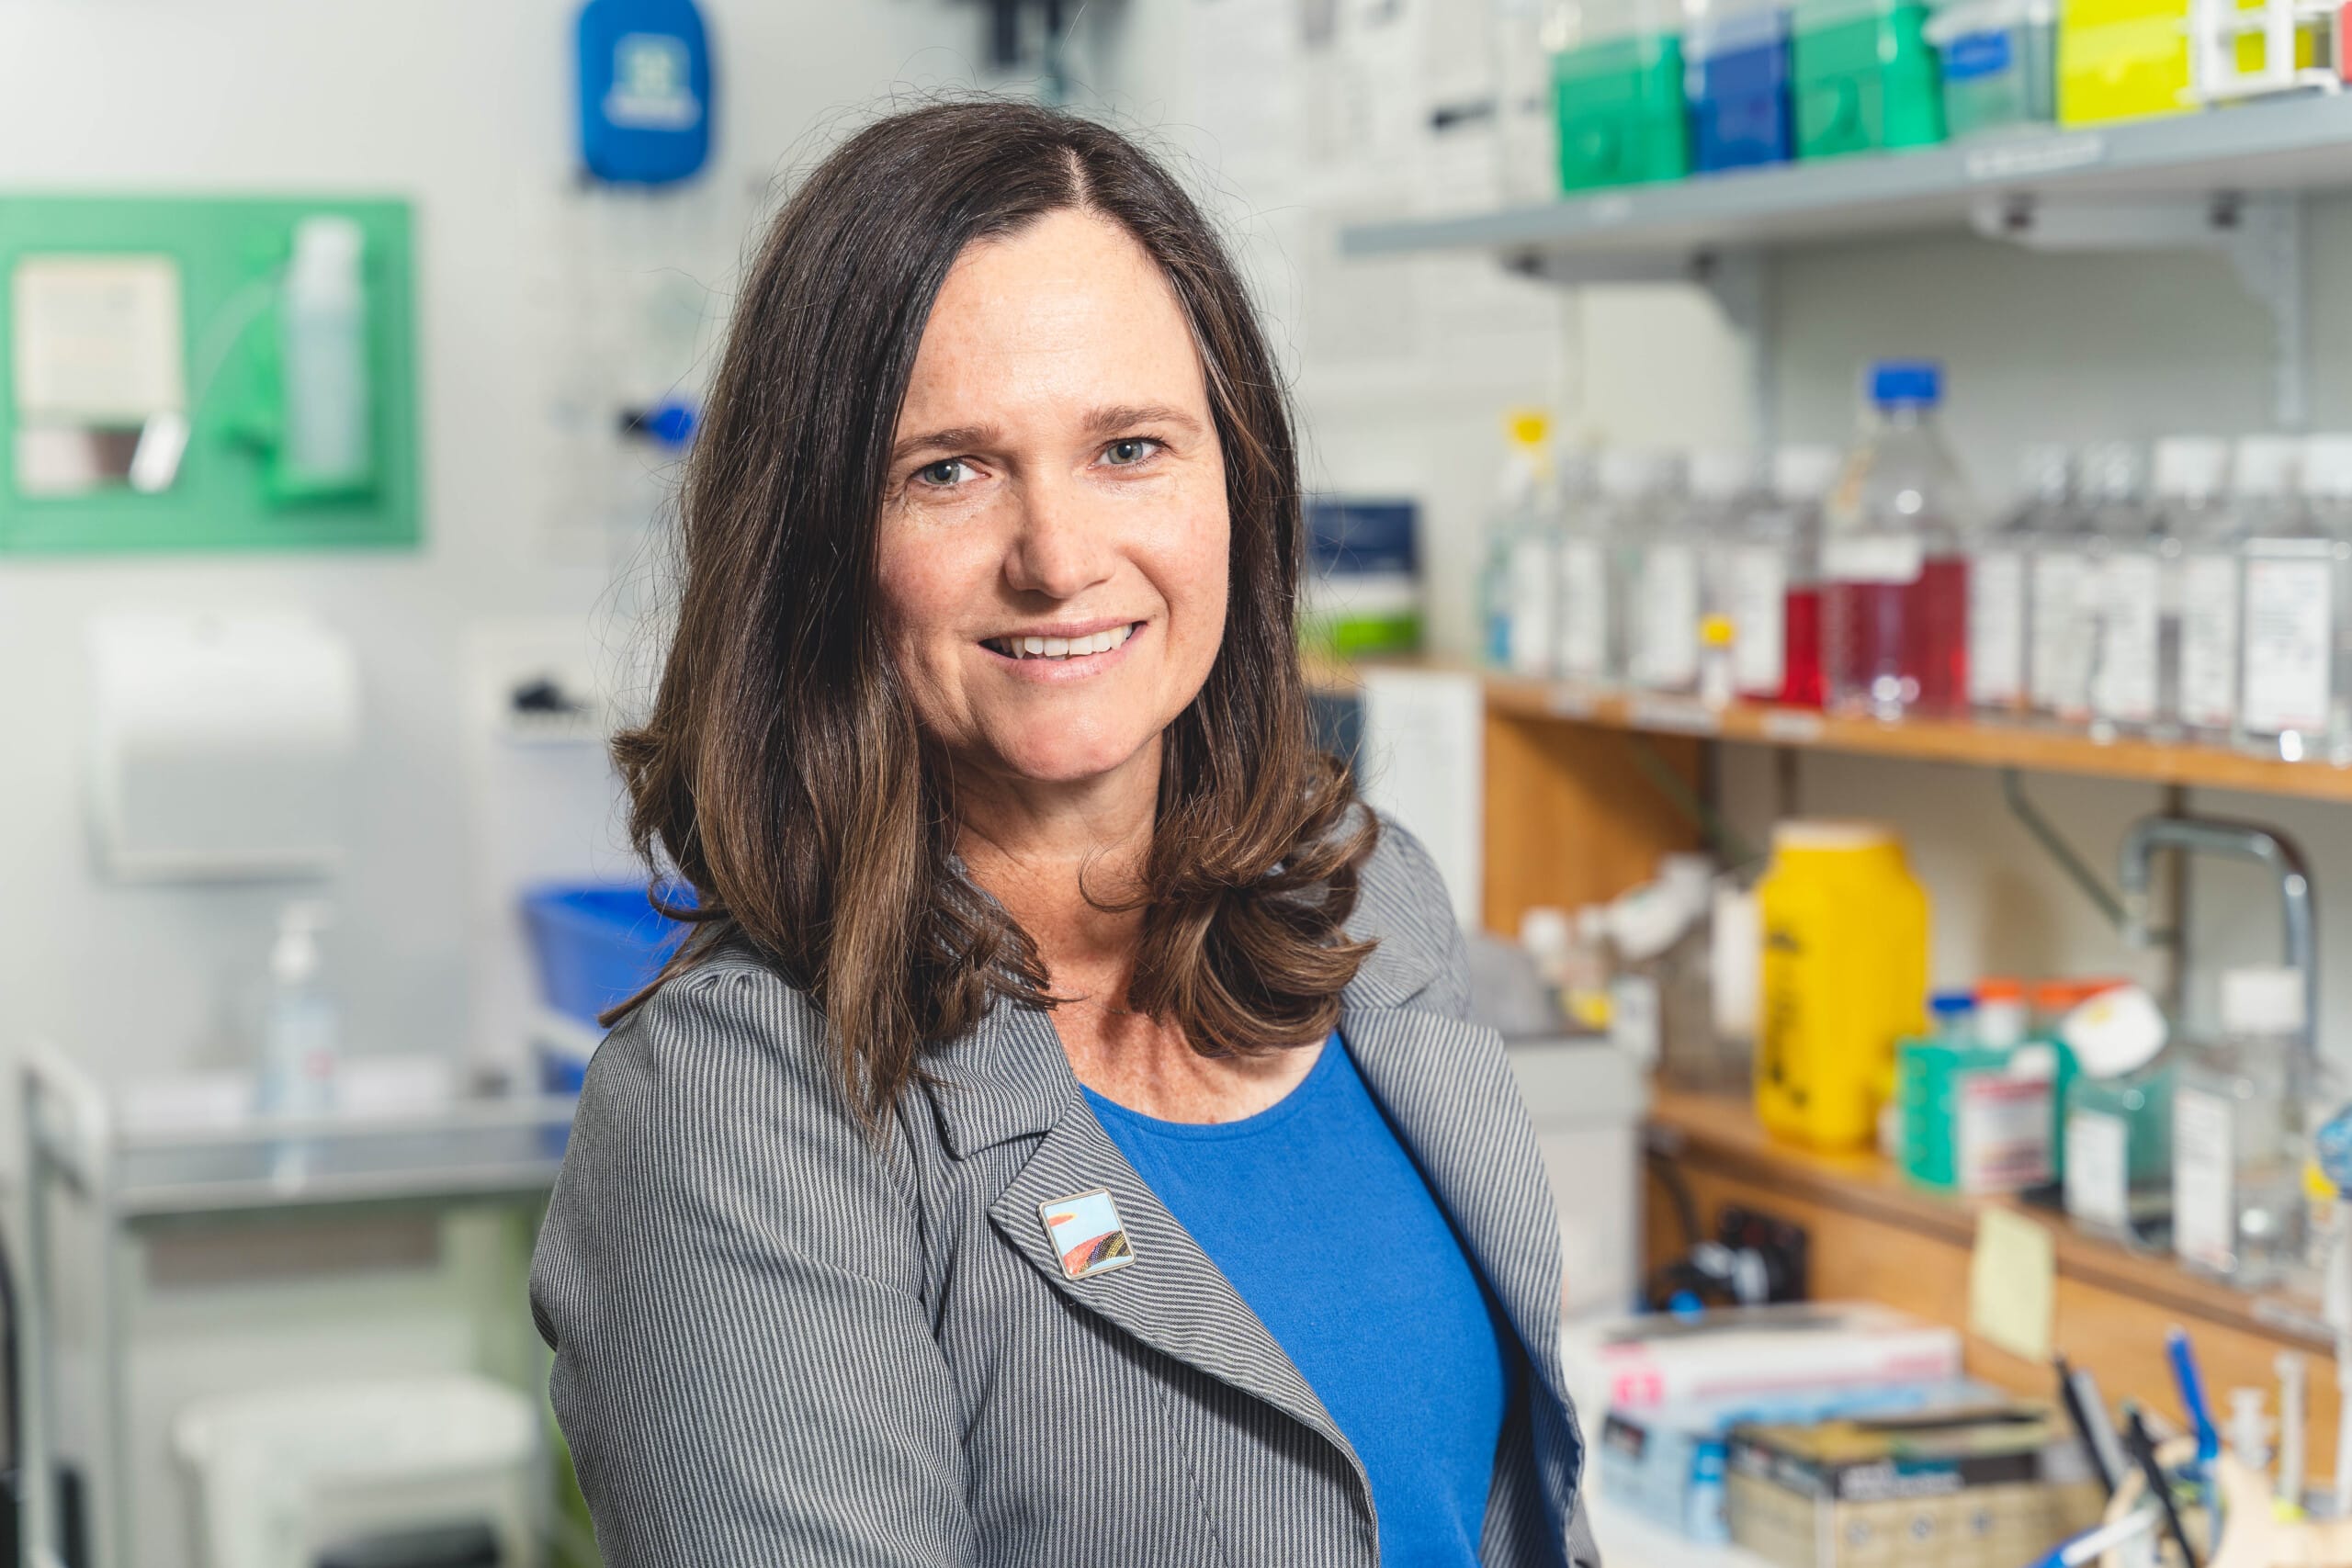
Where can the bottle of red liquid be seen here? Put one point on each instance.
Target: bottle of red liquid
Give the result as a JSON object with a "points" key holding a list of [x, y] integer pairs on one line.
{"points": [[1893, 562]]}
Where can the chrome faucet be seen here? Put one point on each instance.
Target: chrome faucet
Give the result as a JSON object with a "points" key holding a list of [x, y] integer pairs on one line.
{"points": [[2239, 841]]}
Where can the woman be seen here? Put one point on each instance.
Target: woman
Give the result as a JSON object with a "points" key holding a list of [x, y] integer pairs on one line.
{"points": [[1063, 1141]]}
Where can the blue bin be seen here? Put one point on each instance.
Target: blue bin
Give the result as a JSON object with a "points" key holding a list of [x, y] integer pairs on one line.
{"points": [[1736, 79], [598, 945]]}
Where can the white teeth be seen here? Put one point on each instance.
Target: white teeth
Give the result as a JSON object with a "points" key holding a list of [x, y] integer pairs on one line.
{"points": [[1062, 646]]}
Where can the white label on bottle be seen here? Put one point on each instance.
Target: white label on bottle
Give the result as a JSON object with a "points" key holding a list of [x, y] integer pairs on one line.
{"points": [[2204, 1207], [1894, 558], [2124, 688], [1760, 608], [2290, 640], [1634, 1021], [2209, 642], [2098, 1169], [2063, 627], [1666, 653], [1530, 649], [1996, 630], [1583, 626], [2004, 1133]]}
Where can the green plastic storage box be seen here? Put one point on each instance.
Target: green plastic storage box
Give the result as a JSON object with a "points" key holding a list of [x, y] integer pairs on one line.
{"points": [[1621, 111], [1999, 59], [1865, 77]]}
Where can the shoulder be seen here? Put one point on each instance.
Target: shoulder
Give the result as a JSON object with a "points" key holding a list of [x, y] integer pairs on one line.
{"points": [[722, 1090], [1402, 905]]}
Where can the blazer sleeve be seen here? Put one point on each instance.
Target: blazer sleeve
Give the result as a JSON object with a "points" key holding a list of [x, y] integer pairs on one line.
{"points": [[730, 1276]]}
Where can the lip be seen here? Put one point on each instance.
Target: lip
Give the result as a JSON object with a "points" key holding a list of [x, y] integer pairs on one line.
{"points": [[1072, 628], [1060, 671]]}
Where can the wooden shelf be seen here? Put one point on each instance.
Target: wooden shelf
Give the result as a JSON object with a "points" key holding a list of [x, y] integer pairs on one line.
{"points": [[1867, 1185], [1925, 740], [1873, 1235]]}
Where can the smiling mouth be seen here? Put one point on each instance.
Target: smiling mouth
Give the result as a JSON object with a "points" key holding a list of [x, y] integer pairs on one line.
{"points": [[1060, 647]]}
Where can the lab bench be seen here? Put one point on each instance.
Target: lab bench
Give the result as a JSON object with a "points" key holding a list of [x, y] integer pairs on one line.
{"points": [[100, 1198]]}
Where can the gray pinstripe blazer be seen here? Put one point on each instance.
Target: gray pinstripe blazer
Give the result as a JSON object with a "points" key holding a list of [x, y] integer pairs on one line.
{"points": [[777, 1342]]}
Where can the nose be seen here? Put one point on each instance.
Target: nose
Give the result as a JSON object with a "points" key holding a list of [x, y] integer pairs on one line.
{"points": [[1062, 546]]}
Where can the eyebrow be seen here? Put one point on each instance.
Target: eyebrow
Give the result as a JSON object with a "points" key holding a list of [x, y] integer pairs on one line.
{"points": [[1102, 421]]}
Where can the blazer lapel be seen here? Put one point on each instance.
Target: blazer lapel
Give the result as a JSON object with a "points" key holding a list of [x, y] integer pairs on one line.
{"points": [[1448, 1088], [1011, 1078]]}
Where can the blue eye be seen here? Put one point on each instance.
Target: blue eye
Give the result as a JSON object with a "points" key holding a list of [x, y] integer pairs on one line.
{"points": [[1128, 452], [946, 472]]}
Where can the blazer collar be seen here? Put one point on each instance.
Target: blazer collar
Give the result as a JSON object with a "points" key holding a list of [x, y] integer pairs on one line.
{"points": [[1445, 1085]]}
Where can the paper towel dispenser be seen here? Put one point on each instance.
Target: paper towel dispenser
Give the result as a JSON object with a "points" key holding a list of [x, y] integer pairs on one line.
{"points": [[221, 745]]}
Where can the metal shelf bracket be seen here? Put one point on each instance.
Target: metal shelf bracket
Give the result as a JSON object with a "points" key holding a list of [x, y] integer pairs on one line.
{"points": [[2261, 235]]}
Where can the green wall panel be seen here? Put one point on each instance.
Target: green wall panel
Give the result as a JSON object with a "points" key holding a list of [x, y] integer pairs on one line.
{"points": [[230, 254]]}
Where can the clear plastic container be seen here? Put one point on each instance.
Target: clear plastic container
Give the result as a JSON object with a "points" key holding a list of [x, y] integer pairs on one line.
{"points": [[1766, 580], [2237, 1134], [1997, 582], [1523, 36], [2063, 607], [1893, 562], [2126, 637], [2185, 516], [1522, 545], [2298, 588], [1664, 597], [1633, 491]]}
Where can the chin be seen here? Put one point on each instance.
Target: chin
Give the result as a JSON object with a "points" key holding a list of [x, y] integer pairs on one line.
{"points": [[1060, 756]]}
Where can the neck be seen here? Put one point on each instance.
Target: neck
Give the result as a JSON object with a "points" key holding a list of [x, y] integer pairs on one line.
{"points": [[1040, 849]]}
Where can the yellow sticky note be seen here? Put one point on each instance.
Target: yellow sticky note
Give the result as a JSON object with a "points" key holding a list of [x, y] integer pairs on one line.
{"points": [[2012, 1283]]}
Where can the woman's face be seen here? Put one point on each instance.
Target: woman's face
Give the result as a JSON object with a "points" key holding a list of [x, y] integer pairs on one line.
{"points": [[1053, 536]]}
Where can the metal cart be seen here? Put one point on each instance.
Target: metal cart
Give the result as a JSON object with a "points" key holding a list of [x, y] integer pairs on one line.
{"points": [[82, 1166]]}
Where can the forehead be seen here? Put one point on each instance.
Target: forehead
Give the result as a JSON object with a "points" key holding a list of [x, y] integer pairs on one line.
{"points": [[1071, 309]]}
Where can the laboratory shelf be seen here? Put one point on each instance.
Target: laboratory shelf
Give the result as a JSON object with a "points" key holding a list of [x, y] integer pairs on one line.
{"points": [[1927, 740], [2278, 145], [1873, 1236]]}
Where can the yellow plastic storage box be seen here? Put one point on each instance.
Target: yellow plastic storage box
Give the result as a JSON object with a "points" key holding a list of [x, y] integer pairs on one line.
{"points": [[2122, 59]]}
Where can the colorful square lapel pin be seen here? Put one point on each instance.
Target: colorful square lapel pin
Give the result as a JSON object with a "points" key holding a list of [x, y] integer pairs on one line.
{"points": [[1086, 1234]]}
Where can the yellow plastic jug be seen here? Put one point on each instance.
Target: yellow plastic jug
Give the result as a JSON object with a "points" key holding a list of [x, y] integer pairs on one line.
{"points": [[1844, 975]]}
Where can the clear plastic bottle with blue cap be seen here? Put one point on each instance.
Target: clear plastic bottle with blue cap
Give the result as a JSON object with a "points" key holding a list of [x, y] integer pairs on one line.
{"points": [[1894, 559]]}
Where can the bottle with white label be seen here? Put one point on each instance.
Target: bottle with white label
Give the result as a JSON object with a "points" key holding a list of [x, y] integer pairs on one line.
{"points": [[1598, 538], [1766, 582], [1524, 542], [2197, 654], [2062, 610], [2236, 1134], [2327, 497], [1893, 562], [2128, 571], [1997, 582], [2297, 577], [1664, 568], [2119, 1152]]}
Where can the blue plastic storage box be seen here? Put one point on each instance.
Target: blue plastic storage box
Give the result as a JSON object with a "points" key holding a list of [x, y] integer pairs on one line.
{"points": [[1736, 75], [598, 945]]}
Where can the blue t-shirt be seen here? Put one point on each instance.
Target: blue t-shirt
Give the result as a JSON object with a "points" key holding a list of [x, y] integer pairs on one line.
{"points": [[1316, 1212]]}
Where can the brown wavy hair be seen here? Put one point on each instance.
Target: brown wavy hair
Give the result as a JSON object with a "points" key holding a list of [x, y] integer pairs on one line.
{"points": [[782, 770]]}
